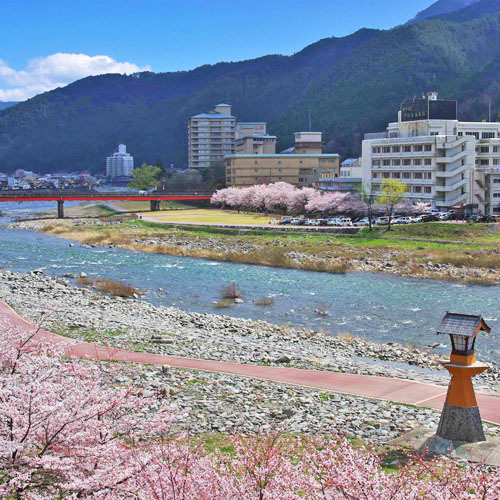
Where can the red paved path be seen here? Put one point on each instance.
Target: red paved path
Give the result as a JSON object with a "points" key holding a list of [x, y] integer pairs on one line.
{"points": [[392, 389]]}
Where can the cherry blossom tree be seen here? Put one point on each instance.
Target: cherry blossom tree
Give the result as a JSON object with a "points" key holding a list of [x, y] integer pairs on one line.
{"points": [[69, 430]]}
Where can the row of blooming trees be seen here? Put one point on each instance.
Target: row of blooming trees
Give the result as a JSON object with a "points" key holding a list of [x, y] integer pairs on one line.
{"points": [[285, 198], [69, 431]]}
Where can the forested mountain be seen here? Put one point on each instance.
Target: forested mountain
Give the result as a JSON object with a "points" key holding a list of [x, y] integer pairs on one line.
{"points": [[352, 85], [441, 7], [6, 104]]}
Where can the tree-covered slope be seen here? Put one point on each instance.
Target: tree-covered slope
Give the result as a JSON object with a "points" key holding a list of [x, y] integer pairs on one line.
{"points": [[441, 7], [6, 104], [352, 85]]}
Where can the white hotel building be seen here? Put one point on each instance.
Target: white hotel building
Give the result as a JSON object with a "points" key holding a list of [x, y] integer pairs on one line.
{"points": [[120, 163], [443, 161]]}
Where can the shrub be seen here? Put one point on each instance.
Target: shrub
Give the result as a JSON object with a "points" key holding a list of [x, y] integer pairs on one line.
{"points": [[264, 301], [231, 291], [223, 304]]}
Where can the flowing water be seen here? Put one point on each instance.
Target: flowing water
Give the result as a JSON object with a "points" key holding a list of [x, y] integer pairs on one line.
{"points": [[383, 308]]}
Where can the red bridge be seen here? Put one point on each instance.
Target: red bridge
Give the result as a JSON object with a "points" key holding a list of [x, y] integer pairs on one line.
{"points": [[61, 196]]}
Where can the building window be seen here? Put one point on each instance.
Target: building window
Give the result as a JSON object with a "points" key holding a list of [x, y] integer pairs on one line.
{"points": [[396, 149], [418, 148], [428, 161], [376, 175], [496, 181], [406, 149], [376, 163], [417, 189], [434, 133], [485, 163], [428, 147], [427, 189], [485, 149], [396, 175], [396, 162], [475, 134], [386, 163], [496, 195], [406, 162], [488, 135], [417, 175], [427, 175], [386, 175], [375, 150], [406, 175], [386, 149], [417, 161], [460, 134], [495, 161]]}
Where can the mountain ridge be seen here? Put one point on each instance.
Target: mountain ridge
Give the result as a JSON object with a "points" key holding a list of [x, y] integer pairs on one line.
{"points": [[439, 8], [352, 85]]}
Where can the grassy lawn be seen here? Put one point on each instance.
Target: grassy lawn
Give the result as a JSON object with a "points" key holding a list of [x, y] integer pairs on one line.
{"points": [[209, 216]]}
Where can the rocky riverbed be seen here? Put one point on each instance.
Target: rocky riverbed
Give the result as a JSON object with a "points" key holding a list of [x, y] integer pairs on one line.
{"points": [[230, 403]]}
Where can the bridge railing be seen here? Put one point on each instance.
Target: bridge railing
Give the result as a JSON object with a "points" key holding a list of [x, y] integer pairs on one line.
{"points": [[28, 193]]}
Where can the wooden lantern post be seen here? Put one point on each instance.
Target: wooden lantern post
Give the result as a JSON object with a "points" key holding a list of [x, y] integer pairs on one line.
{"points": [[460, 419]]}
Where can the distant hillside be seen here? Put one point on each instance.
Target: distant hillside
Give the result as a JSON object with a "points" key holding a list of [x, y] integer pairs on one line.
{"points": [[6, 104], [352, 85], [441, 7]]}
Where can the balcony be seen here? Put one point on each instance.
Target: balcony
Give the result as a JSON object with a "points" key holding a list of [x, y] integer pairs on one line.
{"points": [[452, 187], [451, 173]]}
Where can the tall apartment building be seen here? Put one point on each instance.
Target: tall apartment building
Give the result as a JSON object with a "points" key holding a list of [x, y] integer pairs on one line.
{"points": [[120, 163], [211, 136], [302, 167], [443, 161]]}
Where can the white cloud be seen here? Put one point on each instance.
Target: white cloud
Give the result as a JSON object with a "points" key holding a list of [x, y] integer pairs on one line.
{"points": [[56, 70]]}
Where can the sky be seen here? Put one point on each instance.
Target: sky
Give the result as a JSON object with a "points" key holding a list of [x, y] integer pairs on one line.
{"points": [[46, 44]]}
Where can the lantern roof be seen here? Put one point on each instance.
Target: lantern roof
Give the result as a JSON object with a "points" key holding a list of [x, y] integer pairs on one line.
{"points": [[462, 324]]}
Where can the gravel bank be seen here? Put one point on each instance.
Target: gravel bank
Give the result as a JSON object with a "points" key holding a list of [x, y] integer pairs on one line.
{"points": [[218, 402]]}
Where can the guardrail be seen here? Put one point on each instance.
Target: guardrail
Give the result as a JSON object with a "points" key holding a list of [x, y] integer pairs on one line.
{"points": [[19, 193]]}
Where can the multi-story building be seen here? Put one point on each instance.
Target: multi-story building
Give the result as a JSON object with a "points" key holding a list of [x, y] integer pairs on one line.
{"points": [[256, 145], [443, 161], [349, 179], [211, 136], [120, 163], [301, 169], [248, 129]]}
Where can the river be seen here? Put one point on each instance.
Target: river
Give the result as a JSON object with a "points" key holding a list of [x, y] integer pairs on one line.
{"points": [[379, 307]]}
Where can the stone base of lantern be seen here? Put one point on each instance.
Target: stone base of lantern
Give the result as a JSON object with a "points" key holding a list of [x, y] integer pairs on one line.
{"points": [[461, 424]]}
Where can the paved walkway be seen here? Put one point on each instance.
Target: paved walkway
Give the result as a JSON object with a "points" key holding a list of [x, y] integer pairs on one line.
{"points": [[392, 389]]}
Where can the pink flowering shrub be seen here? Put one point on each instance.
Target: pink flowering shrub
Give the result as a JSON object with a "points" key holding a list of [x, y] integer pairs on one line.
{"points": [[68, 430]]}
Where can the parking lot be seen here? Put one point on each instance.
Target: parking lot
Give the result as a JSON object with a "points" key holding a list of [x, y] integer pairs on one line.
{"points": [[432, 216]]}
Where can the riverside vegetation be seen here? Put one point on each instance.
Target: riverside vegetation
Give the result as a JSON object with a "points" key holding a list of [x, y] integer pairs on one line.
{"points": [[468, 253]]}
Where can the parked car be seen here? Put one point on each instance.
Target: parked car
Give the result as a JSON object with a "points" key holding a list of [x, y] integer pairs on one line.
{"points": [[334, 221], [345, 221], [380, 221], [312, 222], [361, 222], [323, 222], [494, 218], [418, 218], [285, 221], [295, 221], [473, 218], [429, 218], [405, 220]]}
